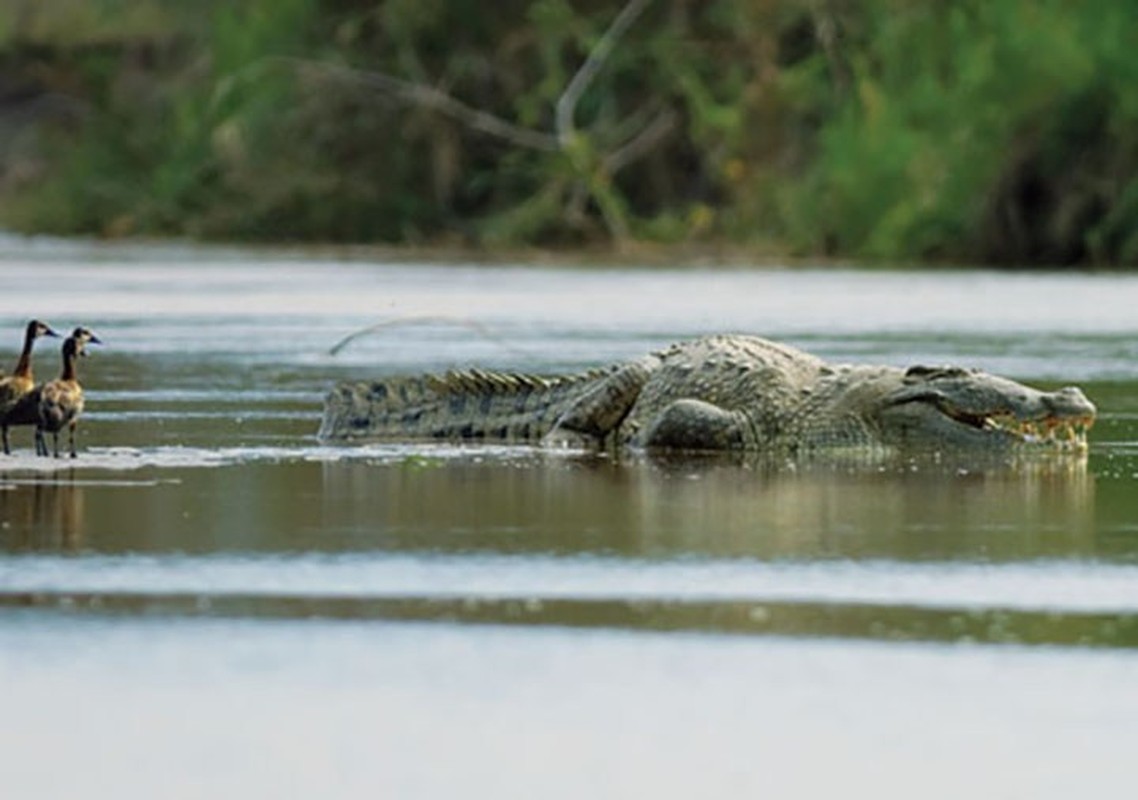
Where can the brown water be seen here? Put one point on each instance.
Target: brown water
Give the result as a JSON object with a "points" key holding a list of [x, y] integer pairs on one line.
{"points": [[210, 593]]}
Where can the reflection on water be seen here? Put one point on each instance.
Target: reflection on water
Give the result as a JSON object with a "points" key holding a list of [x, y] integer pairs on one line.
{"points": [[680, 524], [42, 514], [321, 499], [646, 507], [907, 511]]}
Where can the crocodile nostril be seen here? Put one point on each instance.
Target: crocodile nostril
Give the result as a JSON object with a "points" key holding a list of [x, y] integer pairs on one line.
{"points": [[1069, 399]]}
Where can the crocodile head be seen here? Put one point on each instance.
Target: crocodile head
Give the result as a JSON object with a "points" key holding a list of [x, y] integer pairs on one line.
{"points": [[951, 407]]}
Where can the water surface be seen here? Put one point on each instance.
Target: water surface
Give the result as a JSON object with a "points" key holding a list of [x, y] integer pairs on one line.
{"points": [[215, 592]]}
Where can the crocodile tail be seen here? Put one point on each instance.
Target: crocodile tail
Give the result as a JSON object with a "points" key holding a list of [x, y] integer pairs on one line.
{"points": [[471, 404]]}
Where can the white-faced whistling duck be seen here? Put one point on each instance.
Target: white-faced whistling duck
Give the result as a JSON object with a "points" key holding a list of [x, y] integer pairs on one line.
{"points": [[20, 383], [61, 400]]}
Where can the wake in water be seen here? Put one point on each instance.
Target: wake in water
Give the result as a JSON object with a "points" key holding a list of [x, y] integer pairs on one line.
{"points": [[121, 459]]}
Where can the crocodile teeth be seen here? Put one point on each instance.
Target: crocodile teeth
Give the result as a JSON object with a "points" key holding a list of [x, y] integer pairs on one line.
{"points": [[1066, 433]]}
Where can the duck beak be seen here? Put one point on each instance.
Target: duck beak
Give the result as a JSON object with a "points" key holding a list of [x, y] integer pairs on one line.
{"points": [[95, 339], [49, 332]]}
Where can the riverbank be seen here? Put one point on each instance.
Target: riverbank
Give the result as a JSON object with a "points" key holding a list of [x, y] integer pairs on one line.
{"points": [[935, 135]]}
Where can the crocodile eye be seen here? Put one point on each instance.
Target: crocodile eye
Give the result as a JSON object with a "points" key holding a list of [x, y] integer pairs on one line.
{"points": [[922, 372]]}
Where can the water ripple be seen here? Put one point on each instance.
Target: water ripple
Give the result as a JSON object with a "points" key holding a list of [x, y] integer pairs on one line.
{"points": [[1048, 586]]}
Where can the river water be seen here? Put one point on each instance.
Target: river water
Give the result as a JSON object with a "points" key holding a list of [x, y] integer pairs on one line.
{"points": [[210, 602]]}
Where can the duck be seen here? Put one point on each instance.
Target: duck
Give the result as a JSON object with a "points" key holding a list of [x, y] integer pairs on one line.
{"points": [[18, 385], [60, 402]]}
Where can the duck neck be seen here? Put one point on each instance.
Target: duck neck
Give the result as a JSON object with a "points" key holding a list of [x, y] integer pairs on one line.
{"points": [[24, 365], [69, 359]]}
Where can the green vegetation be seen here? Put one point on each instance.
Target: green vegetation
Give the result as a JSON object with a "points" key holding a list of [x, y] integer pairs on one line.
{"points": [[885, 130]]}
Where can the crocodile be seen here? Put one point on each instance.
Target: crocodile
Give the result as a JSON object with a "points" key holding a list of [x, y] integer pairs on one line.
{"points": [[722, 392]]}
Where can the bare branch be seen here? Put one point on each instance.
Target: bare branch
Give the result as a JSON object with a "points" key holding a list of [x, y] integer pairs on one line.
{"points": [[640, 144], [622, 130], [567, 103], [437, 100]]}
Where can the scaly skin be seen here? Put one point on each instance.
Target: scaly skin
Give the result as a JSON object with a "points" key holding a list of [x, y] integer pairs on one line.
{"points": [[728, 392]]}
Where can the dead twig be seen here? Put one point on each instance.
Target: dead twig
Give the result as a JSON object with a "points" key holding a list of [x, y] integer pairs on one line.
{"points": [[477, 327]]}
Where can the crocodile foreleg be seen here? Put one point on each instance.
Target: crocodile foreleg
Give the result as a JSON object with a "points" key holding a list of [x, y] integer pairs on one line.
{"points": [[597, 414], [695, 425]]}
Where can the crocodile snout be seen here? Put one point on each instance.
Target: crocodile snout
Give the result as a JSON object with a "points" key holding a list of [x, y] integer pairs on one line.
{"points": [[1069, 402]]}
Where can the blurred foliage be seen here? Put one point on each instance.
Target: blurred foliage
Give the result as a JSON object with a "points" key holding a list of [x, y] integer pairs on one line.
{"points": [[1002, 132], [890, 130]]}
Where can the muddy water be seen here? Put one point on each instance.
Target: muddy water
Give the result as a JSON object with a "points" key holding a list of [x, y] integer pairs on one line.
{"points": [[209, 592]]}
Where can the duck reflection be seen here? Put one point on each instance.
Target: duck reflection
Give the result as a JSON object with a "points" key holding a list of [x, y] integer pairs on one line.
{"points": [[42, 514]]}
